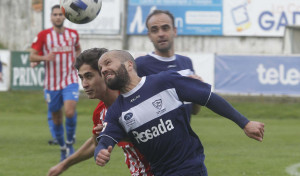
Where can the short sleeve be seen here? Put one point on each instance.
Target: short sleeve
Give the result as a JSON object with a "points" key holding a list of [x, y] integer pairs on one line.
{"points": [[38, 43]]}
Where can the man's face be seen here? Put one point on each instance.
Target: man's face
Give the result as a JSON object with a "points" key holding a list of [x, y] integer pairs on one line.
{"points": [[161, 32], [92, 83], [113, 71], [57, 18]]}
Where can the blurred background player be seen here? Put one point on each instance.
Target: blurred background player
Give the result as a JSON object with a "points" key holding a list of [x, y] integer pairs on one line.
{"points": [[95, 88], [58, 47], [162, 32], [53, 140]]}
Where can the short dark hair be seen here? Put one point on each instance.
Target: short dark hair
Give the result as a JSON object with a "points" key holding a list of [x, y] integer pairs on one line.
{"points": [[155, 12], [57, 6], [90, 57]]}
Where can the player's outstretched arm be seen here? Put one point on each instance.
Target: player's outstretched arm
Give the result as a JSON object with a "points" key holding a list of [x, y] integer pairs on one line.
{"points": [[196, 108], [85, 152], [220, 106]]}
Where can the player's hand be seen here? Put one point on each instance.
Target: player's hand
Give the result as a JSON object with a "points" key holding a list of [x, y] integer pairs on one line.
{"points": [[0, 76], [98, 128], [50, 57], [255, 130], [56, 170], [34, 64], [196, 77], [103, 156]]}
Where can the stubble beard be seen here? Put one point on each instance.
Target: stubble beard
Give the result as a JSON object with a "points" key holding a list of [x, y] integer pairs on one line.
{"points": [[164, 49], [59, 25]]}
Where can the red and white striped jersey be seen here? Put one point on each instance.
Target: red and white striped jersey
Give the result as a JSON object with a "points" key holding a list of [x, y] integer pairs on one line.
{"points": [[59, 73], [135, 161]]}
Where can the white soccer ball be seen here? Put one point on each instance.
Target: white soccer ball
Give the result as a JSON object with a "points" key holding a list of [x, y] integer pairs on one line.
{"points": [[80, 11]]}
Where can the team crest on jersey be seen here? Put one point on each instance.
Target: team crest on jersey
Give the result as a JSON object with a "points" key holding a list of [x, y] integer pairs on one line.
{"points": [[129, 119], [157, 104]]}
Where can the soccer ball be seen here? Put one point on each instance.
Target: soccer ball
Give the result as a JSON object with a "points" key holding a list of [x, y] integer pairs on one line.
{"points": [[80, 11]]}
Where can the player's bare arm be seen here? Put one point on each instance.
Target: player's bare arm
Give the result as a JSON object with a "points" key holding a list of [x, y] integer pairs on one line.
{"points": [[85, 152], [34, 64], [98, 128], [35, 57]]}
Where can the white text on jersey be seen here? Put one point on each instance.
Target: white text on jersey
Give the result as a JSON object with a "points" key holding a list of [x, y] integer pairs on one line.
{"points": [[154, 131]]}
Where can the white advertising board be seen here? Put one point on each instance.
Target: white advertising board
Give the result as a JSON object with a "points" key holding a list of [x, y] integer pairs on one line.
{"points": [[259, 17], [107, 22]]}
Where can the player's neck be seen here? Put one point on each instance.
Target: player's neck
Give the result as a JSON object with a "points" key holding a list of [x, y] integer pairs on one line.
{"points": [[134, 81], [168, 53], [59, 30], [111, 96]]}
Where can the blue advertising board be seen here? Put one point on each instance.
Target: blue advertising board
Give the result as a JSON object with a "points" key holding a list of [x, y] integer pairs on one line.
{"points": [[192, 17], [273, 75]]}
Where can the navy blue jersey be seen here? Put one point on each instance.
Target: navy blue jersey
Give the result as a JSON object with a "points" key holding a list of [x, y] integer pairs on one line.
{"points": [[153, 116], [152, 64]]}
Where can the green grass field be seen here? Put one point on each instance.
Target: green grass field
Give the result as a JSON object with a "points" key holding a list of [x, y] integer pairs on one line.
{"points": [[24, 134]]}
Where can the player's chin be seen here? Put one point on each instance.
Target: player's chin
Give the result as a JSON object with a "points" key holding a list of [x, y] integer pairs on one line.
{"points": [[90, 95]]}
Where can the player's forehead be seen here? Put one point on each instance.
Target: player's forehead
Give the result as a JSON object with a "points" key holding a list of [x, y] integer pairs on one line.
{"points": [[158, 20], [85, 69], [111, 56], [56, 11]]}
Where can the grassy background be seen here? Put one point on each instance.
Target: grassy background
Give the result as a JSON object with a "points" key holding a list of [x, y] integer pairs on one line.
{"points": [[24, 134]]}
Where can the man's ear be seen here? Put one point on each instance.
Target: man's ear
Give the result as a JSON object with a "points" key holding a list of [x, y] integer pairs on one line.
{"points": [[175, 30], [129, 64]]}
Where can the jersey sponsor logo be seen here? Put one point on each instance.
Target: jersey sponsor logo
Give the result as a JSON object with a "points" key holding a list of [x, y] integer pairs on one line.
{"points": [[62, 49], [128, 119], [153, 132], [128, 116]]}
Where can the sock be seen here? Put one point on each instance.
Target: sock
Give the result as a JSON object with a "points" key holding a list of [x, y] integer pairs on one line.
{"points": [[59, 133], [71, 128], [50, 124], [63, 153]]}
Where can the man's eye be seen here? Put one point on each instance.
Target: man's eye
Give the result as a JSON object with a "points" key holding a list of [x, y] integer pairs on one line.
{"points": [[165, 28], [153, 30]]}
